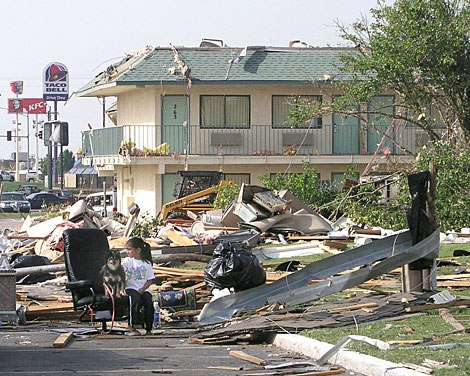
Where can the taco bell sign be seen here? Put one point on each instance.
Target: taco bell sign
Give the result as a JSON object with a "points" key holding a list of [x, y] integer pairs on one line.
{"points": [[55, 82]]}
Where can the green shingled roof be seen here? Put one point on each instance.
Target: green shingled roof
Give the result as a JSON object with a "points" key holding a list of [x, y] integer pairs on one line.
{"points": [[212, 65], [261, 64]]}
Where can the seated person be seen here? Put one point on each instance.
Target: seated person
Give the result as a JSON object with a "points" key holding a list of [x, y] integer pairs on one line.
{"points": [[139, 277]]}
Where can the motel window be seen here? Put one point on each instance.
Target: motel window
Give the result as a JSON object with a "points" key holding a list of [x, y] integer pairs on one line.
{"points": [[225, 111], [283, 104], [238, 179]]}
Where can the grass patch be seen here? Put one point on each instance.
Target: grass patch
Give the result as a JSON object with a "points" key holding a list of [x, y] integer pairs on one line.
{"points": [[428, 325], [447, 250], [19, 215], [10, 186]]}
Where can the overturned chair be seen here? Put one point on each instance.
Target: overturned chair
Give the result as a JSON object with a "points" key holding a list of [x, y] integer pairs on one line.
{"points": [[85, 253]]}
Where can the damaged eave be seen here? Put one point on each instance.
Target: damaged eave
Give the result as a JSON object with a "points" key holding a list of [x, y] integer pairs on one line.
{"points": [[102, 90]]}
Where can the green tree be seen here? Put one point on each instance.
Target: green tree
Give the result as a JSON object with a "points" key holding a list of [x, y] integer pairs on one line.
{"points": [[305, 185], [69, 161], [365, 204], [417, 49]]}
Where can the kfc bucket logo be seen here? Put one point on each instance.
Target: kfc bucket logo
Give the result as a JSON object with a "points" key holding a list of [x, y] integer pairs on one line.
{"points": [[55, 82]]}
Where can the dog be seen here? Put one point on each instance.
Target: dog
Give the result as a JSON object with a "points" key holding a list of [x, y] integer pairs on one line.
{"points": [[113, 274]]}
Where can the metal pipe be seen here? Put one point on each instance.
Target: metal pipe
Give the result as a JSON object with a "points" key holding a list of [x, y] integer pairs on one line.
{"points": [[20, 272]]}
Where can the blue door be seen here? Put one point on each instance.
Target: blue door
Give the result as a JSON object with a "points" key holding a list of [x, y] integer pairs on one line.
{"points": [[378, 122], [175, 122], [345, 133]]}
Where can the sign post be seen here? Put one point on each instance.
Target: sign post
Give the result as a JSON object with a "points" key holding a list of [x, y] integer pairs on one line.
{"points": [[55, 88], [17, 88], [30, 106]]}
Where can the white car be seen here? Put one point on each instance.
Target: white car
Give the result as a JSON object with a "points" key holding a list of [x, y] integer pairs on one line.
{"points": [[95, 203], [6, 176]]}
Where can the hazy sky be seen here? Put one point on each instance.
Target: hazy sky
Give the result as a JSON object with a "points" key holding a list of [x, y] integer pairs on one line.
{"points": [[89, 35]]}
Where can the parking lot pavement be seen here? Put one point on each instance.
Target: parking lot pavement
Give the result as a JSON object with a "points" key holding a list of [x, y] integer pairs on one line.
{"points": [[10, 223], [30, 352]]}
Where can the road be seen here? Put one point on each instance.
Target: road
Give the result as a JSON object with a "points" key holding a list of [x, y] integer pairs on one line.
{"points": [[29, 351]]}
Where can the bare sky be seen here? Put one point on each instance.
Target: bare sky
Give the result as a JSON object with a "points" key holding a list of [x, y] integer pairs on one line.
{"points": [[89, 35]]}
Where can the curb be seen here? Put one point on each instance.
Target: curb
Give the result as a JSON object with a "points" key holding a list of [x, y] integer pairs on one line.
{"points": [[350, 360]]}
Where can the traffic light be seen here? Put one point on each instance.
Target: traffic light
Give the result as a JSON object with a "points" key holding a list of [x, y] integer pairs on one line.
{"points": [[56, 131], [8, 135], [47, 133], [64, 133]]}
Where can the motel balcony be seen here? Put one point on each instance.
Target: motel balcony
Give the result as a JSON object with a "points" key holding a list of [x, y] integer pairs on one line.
{"points": [[252, 144]]}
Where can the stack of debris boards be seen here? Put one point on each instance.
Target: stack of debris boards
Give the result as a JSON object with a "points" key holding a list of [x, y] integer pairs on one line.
{"points": [[260, 209], [345, 312]]}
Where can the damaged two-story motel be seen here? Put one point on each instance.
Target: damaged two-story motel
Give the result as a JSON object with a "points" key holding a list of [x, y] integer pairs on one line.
{"points": [[213, 108]]}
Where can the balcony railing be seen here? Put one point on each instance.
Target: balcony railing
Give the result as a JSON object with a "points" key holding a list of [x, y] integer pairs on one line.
{"points": [[256, 140]]}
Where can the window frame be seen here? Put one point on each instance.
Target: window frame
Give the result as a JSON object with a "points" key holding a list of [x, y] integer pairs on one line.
{"points": [[224, 126], [319, 120]]}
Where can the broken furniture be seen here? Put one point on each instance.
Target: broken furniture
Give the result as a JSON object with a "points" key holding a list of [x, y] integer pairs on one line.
{"points": [[86, 251]]}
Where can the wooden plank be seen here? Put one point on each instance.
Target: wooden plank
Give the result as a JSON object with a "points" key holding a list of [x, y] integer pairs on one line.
{"points": [[453, 276], [424, 307], [464, 283], [246, 357], [451, 320], [335, 244], [178, 238], [363, 231], [353, 307], [62, 340], [226, 368]]}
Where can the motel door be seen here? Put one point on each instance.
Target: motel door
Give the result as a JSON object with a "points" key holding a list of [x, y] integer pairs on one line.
{"points": [[378, 124], [345, 134], [175, 124]]}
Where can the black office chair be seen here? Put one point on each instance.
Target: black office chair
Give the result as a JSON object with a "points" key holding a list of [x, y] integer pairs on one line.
{"points": [[86, 251]]}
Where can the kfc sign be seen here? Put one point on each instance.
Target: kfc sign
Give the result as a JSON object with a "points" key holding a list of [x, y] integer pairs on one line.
{"points": [[55, 80], [34, 105], [30, 105], [15, 106]]}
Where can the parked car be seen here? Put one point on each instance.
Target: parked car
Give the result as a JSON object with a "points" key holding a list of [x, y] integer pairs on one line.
{"points": [[27, 189], [94, 201], [6, 176], [12, 202], [40, 199], [32, 176], [66, 196]]}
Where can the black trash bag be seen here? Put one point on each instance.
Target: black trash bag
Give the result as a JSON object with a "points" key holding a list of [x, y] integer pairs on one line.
{"points": [[26, 261], [233, 265]]}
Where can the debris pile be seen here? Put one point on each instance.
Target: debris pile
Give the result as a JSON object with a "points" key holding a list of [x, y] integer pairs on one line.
{"points": [[219, 272]]}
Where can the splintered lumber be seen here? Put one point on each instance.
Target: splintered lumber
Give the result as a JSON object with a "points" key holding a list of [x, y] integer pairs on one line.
{"points": [[424, 307], [181, 257], [63, 340], [246, 357], [451, 320], [178, 238]]}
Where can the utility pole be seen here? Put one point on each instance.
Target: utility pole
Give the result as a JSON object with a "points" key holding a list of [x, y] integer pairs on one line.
{"points": [[17, 153], [27, 135], [49, 154]]}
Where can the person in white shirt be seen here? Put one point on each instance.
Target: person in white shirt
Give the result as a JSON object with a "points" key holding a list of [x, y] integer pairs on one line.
{"points": [[139, 277]]}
